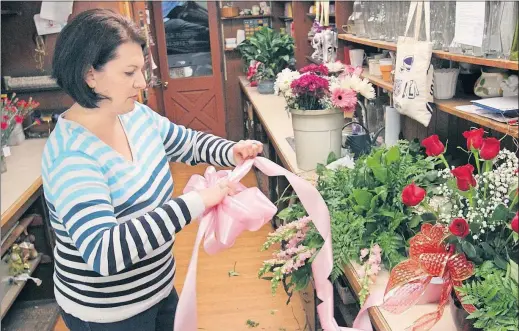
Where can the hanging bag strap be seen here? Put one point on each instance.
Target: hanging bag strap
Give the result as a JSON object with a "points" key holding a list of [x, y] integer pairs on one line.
{"points": [[412, 9], [427, 8]]}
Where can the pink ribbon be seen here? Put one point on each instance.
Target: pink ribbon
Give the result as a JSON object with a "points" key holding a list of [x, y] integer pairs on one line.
{"points": [[249, 209]]}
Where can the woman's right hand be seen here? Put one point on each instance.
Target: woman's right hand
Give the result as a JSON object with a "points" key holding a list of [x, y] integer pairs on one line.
{"points": [[212, 196]]}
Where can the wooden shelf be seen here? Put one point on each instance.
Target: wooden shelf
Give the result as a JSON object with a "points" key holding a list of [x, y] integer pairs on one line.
{"points": [[313, 15], [17, 231], [496, 63], [377, 80], [244, 17], [286, 18], [449, 106], [33, 90], [15, 289]]}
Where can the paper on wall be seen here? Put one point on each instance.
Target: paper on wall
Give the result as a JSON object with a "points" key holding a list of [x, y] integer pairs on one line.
{"points": [[470, 23], [57, 11], [44, 26]]}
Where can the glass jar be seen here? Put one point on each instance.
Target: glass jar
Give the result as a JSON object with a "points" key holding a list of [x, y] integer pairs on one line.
{"points": [[492, 47], [360, 19]]}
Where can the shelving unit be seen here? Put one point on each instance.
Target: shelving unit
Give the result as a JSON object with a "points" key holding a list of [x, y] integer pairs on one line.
{"points": [[496, 63], [244, 17]]}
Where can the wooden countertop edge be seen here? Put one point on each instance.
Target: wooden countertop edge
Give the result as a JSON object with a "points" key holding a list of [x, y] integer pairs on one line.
{"points": [[6, 216], [375, 314], [270, 134]]}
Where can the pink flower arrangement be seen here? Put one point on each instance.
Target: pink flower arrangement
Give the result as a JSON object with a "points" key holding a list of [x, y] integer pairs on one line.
{"points": [[312, 89]]}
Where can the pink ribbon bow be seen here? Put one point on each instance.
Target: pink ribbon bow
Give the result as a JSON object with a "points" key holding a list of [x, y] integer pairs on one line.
{"points": [[249, 210]]}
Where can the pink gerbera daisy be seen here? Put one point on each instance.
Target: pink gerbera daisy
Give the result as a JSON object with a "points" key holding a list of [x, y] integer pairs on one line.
{"points": [[345, 99]]}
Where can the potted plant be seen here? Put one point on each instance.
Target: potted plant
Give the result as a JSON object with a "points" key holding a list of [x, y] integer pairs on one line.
{"points": [[269, 52], [317, 103]]}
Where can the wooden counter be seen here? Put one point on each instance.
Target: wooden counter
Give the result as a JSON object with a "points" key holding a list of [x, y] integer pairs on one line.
{"points": [[22, 178], [270, 109]]}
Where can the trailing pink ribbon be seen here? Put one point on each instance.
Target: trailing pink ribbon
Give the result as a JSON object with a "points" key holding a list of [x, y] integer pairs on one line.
{"points": [[249, 209]]}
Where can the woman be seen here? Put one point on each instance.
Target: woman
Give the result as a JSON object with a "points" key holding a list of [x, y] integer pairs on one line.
{"points": [[108, 185]]}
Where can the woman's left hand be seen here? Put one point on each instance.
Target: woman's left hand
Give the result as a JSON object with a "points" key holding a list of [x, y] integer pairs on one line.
{"points": [[246, 149]]}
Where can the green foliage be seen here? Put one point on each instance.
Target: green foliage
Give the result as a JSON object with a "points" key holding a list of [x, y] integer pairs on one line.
{"points": [[366, 207], [494, 293], [273, 49]]}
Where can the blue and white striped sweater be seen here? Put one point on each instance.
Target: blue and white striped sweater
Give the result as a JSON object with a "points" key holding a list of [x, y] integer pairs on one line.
{"points": [[114, 219]]}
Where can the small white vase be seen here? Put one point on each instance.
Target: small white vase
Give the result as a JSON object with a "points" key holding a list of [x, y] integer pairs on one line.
{"points": [[445, 83], [488, 84], [317, 133], [17, 135]]}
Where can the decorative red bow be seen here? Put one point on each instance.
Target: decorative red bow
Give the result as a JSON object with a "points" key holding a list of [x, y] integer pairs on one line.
{"points": [[428, 258]]}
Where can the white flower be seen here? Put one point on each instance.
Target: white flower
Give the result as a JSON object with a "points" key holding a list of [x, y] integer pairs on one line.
{"points": [[283, 81], [334, 67]]}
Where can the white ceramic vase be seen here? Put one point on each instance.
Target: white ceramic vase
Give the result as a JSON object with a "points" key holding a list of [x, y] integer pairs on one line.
{"points": [[317, 133], [445, 83]]}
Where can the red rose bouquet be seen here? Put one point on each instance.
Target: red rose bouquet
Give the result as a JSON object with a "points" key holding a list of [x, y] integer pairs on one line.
{"points": [[14, 111], [478, 201]]}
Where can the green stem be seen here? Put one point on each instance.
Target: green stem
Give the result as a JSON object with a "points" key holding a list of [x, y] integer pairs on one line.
{"points": [[471, 197], [488, 167], [476, 156], [444, 161], [516, 198]]}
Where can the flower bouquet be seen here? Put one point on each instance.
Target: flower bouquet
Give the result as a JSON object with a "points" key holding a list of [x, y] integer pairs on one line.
{"points": [[317, 103], [480, 210], [14, 111]]}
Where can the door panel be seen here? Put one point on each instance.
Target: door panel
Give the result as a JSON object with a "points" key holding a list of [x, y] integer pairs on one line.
{"points": [[188, 42]]}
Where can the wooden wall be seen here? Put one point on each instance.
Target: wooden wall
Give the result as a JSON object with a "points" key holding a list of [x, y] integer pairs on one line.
{"points": [[18, 45]]}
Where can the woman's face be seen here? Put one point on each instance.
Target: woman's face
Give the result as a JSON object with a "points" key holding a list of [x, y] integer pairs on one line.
{"points": [[120, 79]]}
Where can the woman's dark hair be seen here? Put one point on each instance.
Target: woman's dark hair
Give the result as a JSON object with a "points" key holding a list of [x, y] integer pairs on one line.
{"points": [[90, 40]]}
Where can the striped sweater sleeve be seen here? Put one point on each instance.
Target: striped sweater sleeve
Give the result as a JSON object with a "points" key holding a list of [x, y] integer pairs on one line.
{"points": [[82, 201], [192, 147]]}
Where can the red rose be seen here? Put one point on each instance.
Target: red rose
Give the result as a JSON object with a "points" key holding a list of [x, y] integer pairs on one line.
{"points": [[474, 138], [464, 177], [490, 148], [515, 223], [18, 118], [412, 195], [433, 145], [254, 84], [459, 227], [4, 125]]}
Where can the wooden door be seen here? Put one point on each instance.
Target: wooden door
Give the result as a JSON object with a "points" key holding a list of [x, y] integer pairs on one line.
{"points": [[188, 42]]}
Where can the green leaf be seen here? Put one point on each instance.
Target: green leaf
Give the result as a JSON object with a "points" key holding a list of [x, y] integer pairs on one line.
{"points": [[500, 262], [500, 213], [331, 158], [388, 213], [380, 173], [362, 197], [284, 214], [415, 221], [514, 272], [469, 249], [488, 250], [267, 278], [482, 82], [233, 273], [431, 176], [393, 155], [428, 217]]}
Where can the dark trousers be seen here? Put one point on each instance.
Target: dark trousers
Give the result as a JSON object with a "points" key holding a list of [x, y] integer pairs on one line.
{"points": [[160, 317]]}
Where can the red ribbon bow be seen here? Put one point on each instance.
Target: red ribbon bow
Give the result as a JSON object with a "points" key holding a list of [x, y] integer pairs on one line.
{"points": [[428, 258]]}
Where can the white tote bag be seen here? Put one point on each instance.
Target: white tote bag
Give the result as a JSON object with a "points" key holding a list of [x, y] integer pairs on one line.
{"points": [[413, 85]]}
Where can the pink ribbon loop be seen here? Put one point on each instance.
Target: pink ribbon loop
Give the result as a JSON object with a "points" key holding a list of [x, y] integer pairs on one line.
{"points": [[249, 210]]}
